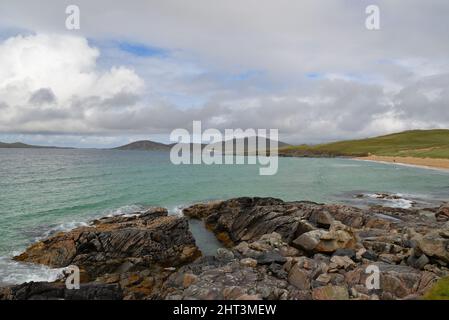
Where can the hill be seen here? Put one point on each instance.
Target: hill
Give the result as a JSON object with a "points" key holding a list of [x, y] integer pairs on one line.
{"points": [[156, 146], [144, 145], [415, 143], [262, 147], [20, 145]]}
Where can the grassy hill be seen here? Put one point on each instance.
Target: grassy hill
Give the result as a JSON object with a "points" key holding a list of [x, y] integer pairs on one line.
{"points": [[415, 143]]}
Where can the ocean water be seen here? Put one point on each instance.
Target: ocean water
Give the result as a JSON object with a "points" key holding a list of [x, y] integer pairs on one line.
{"points": [[48, 190]]}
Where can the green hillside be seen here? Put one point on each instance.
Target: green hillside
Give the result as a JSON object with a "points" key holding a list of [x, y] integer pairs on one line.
{"points": [[416, 143]]}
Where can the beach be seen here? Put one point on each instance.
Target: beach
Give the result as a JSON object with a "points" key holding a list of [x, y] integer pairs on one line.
{"points": [[421, 162]]}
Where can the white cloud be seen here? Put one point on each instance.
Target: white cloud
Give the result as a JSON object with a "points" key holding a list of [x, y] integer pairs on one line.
{"points": [[309, 68], [52, 83]]}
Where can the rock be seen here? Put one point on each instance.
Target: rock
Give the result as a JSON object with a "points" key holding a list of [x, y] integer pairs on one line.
{"points": [[324, 279], [418, 262], [224, 254], [345, 252], [309, 241], [343, 262], [369, 255], [321, 218], [58, 291], [201, 210], [303, 227], [442, 214], [275, 250], [270, 257], [338, 237], [249, 262], [189, 279], [330, 292], [299, 278], [433, 244], [114, 244], [397, 281], [224, 280]]}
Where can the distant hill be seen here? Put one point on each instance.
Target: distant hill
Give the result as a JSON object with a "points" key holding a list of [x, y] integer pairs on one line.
{"points": [[144, 145], [156, 146], [263, 144], [20, 145], [415, 143]]}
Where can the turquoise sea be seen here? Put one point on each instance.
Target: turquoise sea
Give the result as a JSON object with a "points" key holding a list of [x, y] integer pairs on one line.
{"points": [[47, 190]]}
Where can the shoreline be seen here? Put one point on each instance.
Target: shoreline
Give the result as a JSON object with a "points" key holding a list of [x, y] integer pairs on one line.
{"points": [[424, 163], [159, 257]]}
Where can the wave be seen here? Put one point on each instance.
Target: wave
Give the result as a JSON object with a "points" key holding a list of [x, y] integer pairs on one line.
{"points": [[13, 272], [396, 200]]}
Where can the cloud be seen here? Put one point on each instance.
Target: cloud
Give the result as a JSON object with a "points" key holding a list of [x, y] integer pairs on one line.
{"points": [[42, 96], [52, 83], [309, 68]]}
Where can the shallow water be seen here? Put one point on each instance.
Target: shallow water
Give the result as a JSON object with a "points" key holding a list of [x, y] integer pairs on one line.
{"points": [[47, 190]]}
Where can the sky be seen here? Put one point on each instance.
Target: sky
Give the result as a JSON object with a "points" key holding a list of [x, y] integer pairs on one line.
{"points": [[139, 69]]}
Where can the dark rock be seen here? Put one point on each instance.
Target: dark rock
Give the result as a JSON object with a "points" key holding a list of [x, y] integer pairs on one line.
{"points": [[117, 243], [370, 255], [345, 252], [58, 291], [418, 262], [270, 257]]}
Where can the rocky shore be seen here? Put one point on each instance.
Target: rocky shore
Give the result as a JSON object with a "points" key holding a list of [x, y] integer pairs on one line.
{"points": [[271, 250]]}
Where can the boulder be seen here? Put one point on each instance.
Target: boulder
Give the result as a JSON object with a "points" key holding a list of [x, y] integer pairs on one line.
{"points": [[434, 244], [119, 243], [442, 214], [339, 236], [299, 278]]}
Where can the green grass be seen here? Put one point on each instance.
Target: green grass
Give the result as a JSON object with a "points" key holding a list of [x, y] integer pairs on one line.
{"points": [[416, 143], [440, 291]]}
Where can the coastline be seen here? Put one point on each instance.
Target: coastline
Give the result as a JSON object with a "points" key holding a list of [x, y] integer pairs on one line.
{"points": [[307, 251], [425, 163]]}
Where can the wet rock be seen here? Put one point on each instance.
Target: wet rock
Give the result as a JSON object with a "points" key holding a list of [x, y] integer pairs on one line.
{"points": [[118, 244]]}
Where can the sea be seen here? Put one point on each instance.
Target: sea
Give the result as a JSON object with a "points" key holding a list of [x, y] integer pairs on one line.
{"points": [[43, 191]]}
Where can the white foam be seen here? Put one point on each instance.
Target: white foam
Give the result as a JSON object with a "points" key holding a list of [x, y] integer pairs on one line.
{"points": [[63, 227], [13, 272], [127, 211], [391, 200], [176, 211]]}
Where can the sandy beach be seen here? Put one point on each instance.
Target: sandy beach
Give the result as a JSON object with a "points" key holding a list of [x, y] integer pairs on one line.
{"points": [[422, 162]]}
